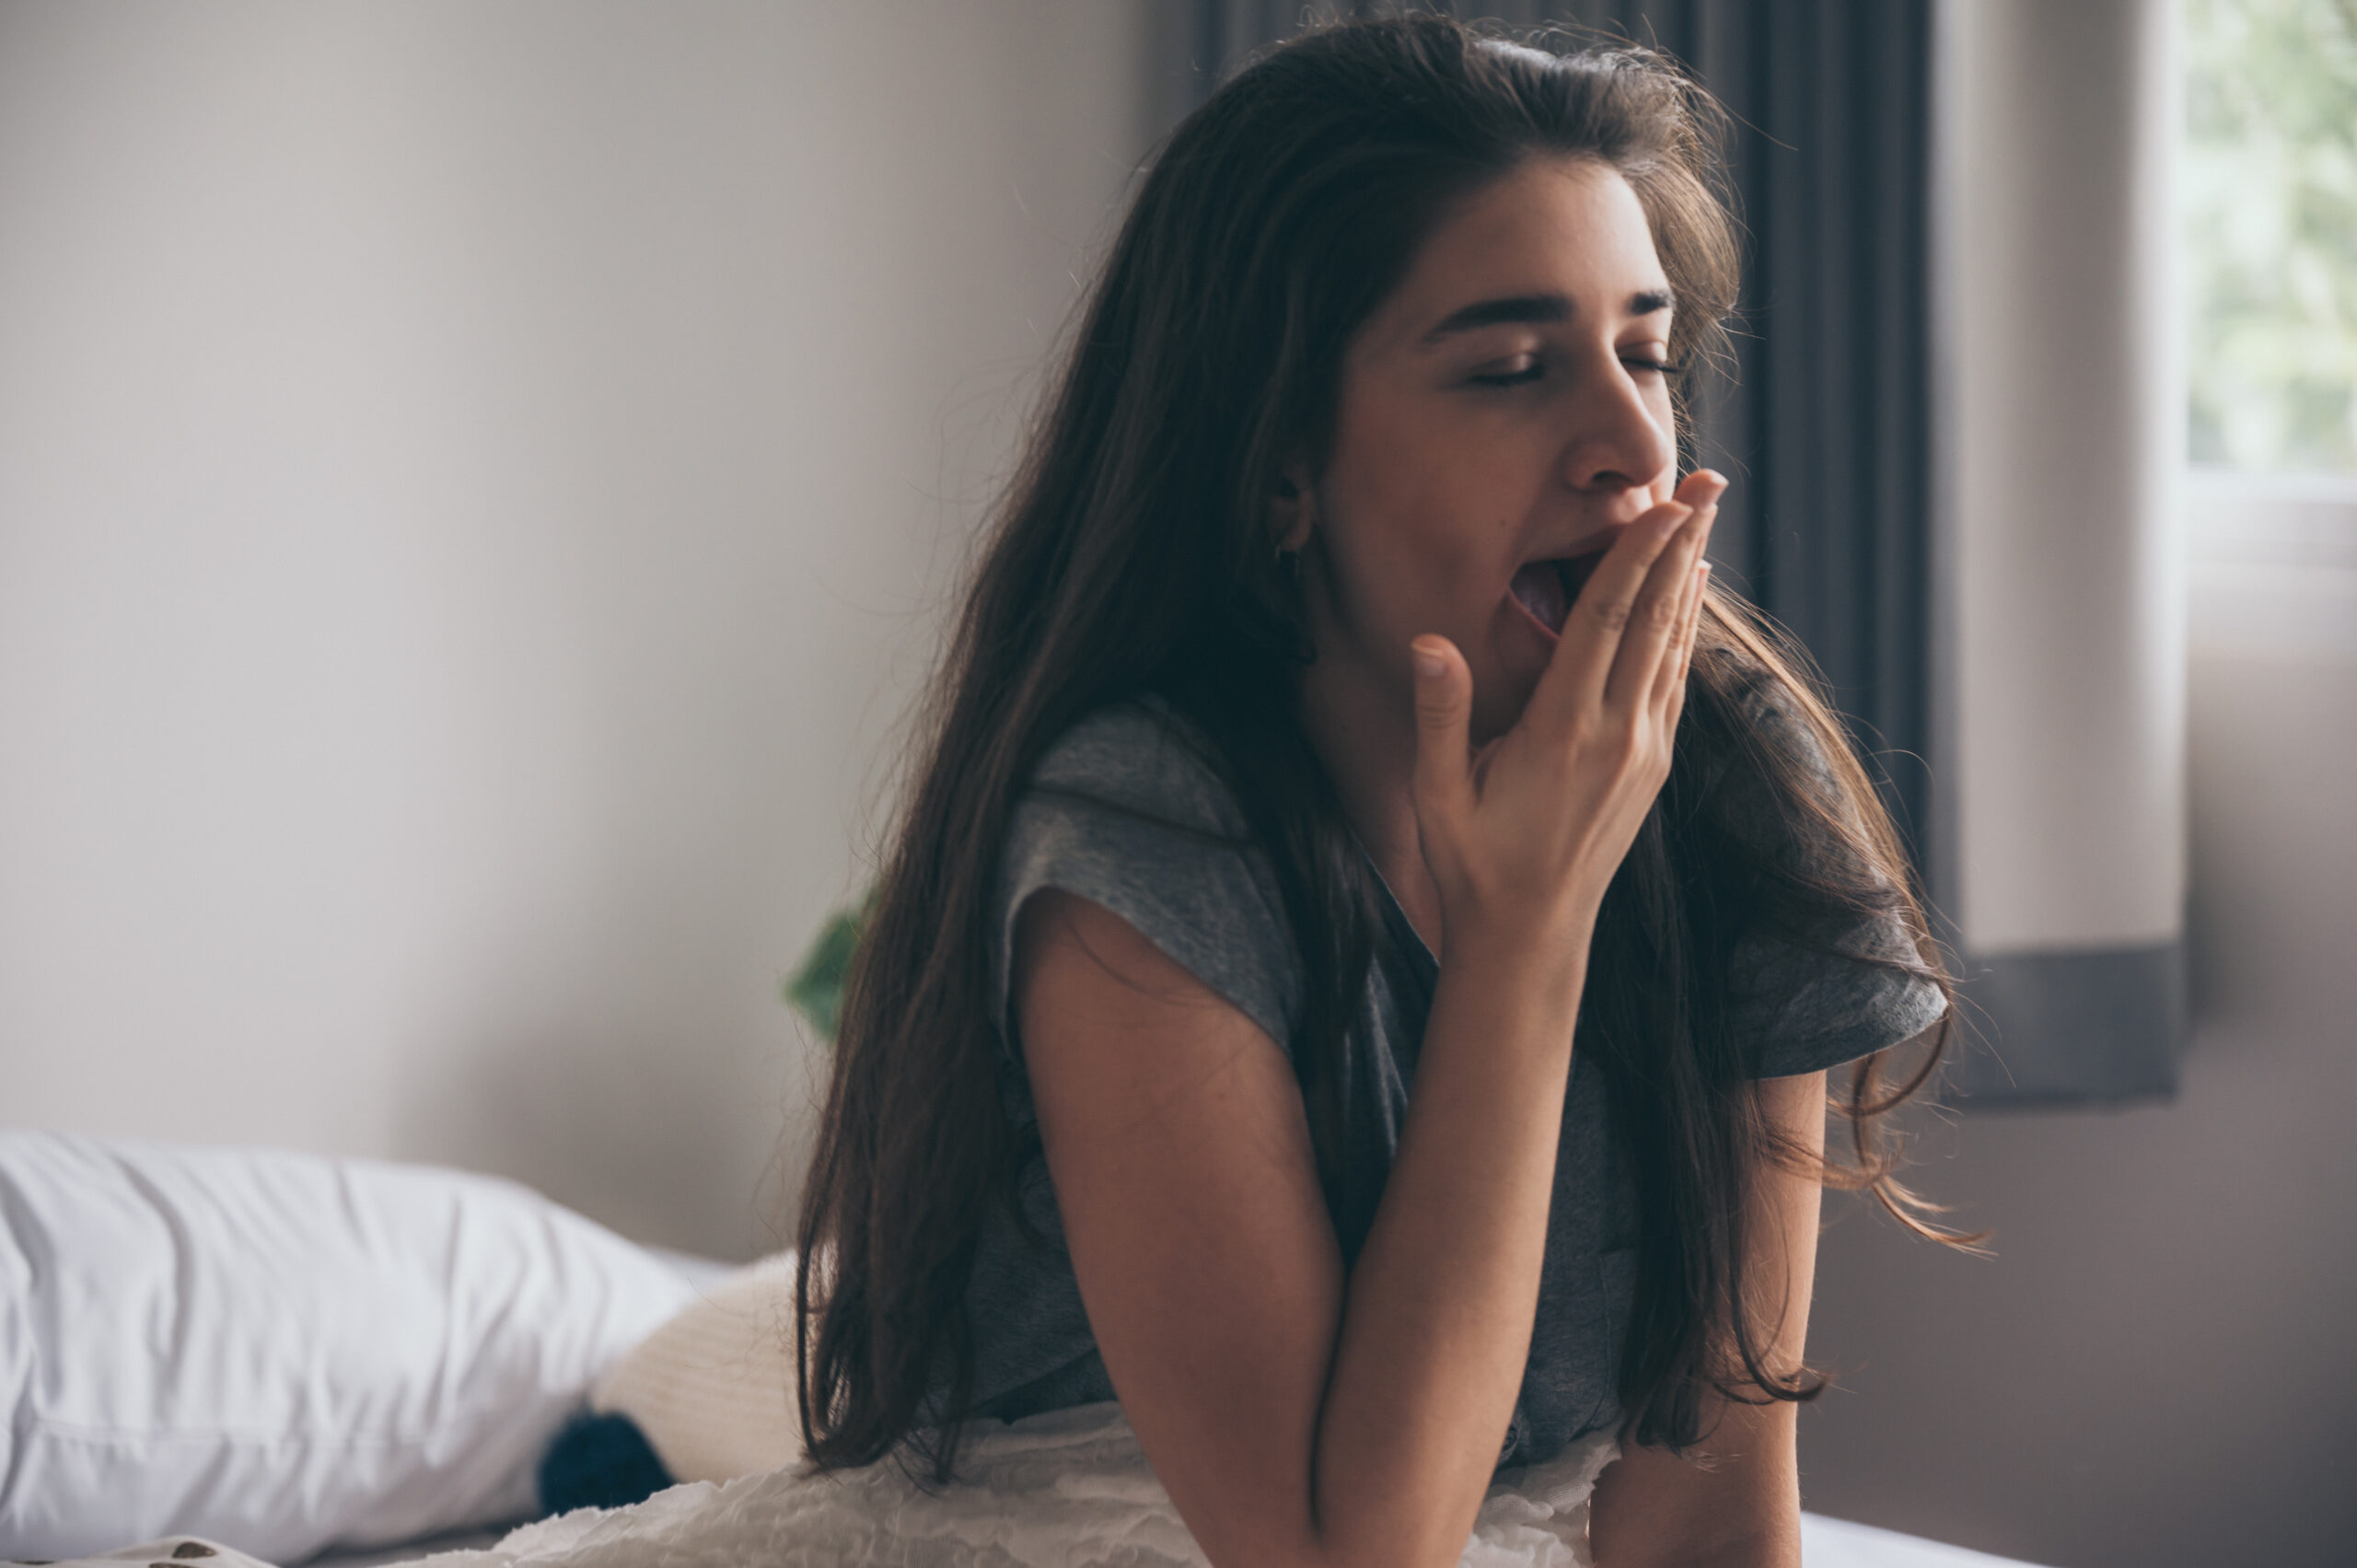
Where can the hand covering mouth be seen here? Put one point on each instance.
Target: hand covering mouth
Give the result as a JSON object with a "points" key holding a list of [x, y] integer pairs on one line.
{"points": [[1546, 589]]}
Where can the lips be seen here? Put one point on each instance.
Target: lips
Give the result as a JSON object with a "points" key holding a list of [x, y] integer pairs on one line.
{"points": [[1546, 589]]}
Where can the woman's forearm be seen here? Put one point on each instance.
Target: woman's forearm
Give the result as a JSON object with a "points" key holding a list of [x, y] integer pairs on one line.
{"points": [[1437, 1317]]}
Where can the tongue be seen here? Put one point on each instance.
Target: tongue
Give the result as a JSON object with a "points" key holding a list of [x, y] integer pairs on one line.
{"points": [[1539, 587]]}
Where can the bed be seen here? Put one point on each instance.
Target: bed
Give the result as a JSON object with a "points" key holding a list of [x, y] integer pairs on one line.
{"points": [[349, 1363]]}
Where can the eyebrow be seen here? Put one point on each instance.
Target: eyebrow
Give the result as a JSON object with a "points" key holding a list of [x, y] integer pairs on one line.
{"points": [[1537, 310]]}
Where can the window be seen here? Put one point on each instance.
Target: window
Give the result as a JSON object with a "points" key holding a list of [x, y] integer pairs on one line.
{"points": [[2268, 183], [2271, 205]]}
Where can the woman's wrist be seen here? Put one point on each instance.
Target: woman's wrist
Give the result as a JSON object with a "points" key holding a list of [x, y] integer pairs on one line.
{"points": [[1544, 954], [1522, 925]]}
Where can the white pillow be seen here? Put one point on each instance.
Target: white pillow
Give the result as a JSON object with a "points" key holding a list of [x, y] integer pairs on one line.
{"points": [[714, 1389], [283, 1351]]}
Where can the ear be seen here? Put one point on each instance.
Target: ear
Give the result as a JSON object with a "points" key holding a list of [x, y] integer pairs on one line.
{"points": [[1293, 510]]}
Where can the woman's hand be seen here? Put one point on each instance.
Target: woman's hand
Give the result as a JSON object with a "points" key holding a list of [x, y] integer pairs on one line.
{"points": [[1523, 836]]}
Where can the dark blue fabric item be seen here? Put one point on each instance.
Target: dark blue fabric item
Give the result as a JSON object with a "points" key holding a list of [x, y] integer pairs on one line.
{"points": [[599, 1461]]}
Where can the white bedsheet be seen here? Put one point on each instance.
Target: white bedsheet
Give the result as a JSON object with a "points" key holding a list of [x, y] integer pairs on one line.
{"points": [[1824, 1543], [1070, 1488]]}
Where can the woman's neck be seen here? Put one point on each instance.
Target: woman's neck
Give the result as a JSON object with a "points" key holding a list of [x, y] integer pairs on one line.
{"points": [[1364, 732]]}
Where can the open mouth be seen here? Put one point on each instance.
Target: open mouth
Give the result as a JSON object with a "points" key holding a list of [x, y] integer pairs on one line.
{"points": [[1546, 589]]}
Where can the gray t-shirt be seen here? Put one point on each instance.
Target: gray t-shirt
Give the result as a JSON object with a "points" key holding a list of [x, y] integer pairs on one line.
{"points": [[1124, 811]]}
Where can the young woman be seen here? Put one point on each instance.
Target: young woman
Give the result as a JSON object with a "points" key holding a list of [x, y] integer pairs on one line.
{"points": [[1356, 976]]}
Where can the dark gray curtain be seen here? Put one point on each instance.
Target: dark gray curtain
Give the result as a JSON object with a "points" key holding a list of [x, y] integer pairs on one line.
{"points": [[1826, 430]]}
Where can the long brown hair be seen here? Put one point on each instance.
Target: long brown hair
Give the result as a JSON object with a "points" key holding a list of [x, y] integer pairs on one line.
{"points": [[1132, 555]]}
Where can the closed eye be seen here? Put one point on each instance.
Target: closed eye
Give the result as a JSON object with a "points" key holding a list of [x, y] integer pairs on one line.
{"points": [[1537, 370]]}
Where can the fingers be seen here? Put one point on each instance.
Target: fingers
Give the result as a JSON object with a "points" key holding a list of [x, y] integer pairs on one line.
{"points": [[1669, 685], [1620, 629], [1671, 691], [1649, 640], [1575, 680], [1444, 778]]}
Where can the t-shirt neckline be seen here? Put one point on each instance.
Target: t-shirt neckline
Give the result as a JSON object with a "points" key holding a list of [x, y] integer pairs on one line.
{"points": [[1403, 931]]}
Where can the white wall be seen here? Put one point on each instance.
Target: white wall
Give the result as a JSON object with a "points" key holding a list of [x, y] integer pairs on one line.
{"points": [[2061, 403], [2154, 1371], [476, 484]]}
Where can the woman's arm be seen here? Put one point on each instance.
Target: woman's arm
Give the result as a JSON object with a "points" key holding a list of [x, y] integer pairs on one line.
{"points": [[1735, 1503], [1296, 1415]]}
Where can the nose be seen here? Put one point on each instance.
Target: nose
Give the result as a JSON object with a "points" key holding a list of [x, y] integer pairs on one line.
{"points": [[1616, 438]]}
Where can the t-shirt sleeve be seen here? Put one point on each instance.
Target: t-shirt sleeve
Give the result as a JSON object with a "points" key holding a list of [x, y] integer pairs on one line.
{"points": [[1804, 1010], [1806, 1001], [1124, 811]]}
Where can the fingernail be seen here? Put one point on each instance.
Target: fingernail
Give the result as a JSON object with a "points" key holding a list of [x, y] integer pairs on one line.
{"points": [[1430, 666]]}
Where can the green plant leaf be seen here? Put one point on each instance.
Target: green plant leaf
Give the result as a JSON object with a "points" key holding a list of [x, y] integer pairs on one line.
{"points": [[816, 988]]}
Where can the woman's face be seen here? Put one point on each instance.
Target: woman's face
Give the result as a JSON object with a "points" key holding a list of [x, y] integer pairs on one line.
{"points": [[1503, 414]]}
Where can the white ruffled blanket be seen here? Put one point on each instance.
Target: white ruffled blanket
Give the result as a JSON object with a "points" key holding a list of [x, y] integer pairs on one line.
{"points": [[1069, 1489]]}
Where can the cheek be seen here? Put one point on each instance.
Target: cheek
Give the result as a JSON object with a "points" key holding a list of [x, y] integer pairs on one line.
{"points": [[1410, 551], [1416, 511]]}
